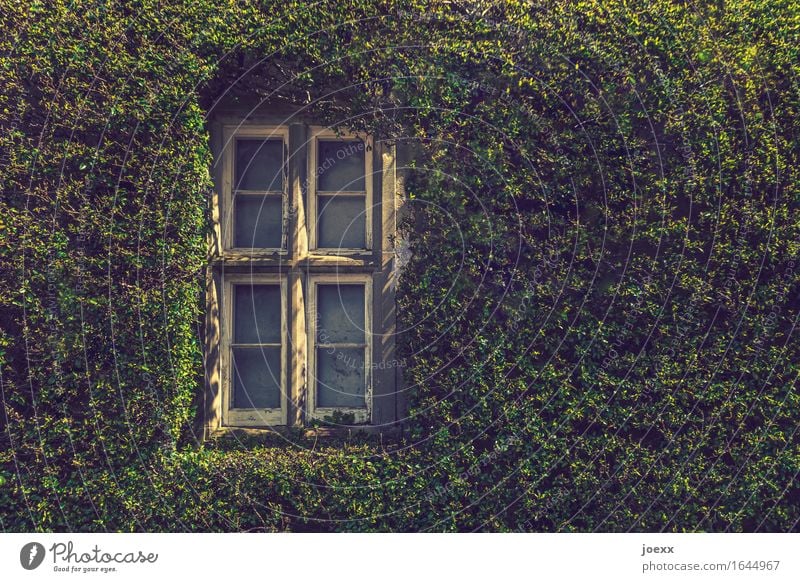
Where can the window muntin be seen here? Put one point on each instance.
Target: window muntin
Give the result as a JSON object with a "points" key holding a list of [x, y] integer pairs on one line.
{"points": [[340, 347], [340, 197], [254, 350], [256, 198]]}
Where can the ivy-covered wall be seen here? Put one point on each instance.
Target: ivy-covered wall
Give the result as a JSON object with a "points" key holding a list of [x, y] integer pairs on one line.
{"points": [[598, 317]]}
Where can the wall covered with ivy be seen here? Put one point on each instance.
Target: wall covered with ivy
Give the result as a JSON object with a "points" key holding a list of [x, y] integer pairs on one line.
{"points": [[598, 316]]}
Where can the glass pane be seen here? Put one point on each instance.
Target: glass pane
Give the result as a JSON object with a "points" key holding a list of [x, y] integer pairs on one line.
{"points": [[340, 378], [341, 222], [257, 314], [341, 314], [257, 377], [340, 165], [259, 221], [259, 164]]}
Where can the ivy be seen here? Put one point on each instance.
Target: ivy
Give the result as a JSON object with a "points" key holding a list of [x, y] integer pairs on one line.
{"points": [[599, 309]]}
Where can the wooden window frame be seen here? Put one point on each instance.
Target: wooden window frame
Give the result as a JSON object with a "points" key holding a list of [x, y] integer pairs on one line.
{"points": [[326, 414], [245, 417], [323, 133], [231, 133], [298, 268]]}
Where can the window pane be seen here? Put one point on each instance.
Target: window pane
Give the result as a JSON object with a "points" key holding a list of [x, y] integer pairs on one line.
{"points": [[341, 222], [341, 314], [259, 221], [340, 165], [259, 164], [257, 314], [257, 377], [340, 378]]}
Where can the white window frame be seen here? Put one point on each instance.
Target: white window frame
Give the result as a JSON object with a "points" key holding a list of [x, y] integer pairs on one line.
{"points": [[321, 133], [313, 412], [298, 268], [227, 217], [248, 417]]}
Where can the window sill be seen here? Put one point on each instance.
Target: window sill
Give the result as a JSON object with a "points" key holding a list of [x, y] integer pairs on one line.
{"points": [[293, 434], [358, 260]]}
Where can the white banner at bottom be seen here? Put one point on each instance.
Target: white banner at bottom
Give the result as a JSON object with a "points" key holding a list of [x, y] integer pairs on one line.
{"points": [[400, 557]]}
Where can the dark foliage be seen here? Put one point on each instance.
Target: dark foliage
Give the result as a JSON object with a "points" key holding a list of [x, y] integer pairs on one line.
{"points": [[600, 307]]}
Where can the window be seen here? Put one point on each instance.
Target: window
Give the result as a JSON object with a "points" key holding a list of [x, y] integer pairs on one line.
{"points": [[254, 354], [255, 183], [300, 293], [340, 193], [340, 353]]}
